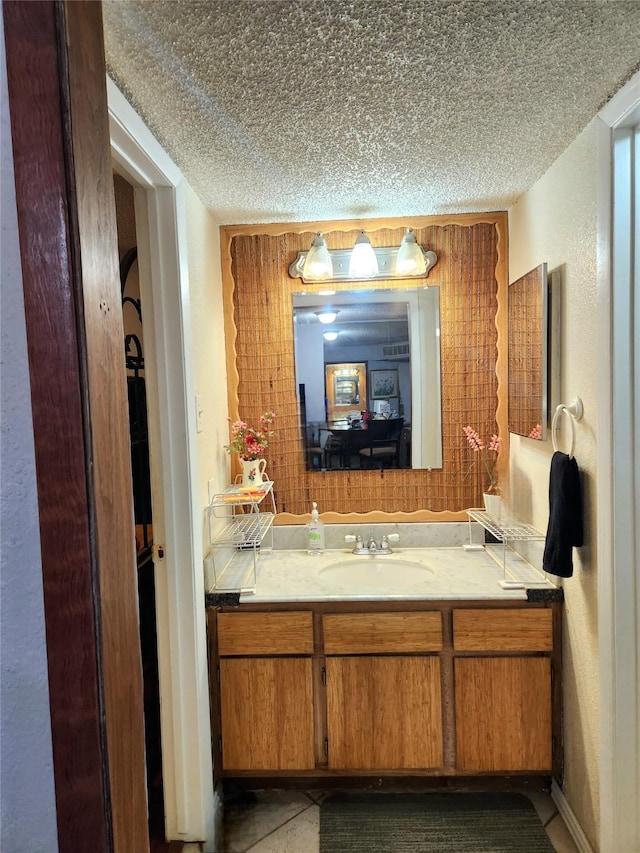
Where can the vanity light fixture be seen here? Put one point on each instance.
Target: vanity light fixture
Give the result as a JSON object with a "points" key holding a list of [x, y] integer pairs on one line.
{"points": [[363, 262], [326, 317], [409, 260], [318, 265], [329, 336]]}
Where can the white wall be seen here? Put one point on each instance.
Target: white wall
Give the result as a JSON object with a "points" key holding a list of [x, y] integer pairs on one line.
{"points": [[27, 813], [208, 344], [556, 222]]}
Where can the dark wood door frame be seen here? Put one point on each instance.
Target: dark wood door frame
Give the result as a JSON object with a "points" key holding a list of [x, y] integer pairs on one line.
{"points": [[66, 218]]}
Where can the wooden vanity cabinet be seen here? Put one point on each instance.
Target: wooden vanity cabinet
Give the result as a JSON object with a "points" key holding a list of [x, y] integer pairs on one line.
{"points": [[503, 704], [356, 689], [383, 713], [384, 704], [266, 691]]}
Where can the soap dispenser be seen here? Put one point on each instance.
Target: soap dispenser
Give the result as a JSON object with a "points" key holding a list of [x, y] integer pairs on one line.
{"points": [[315, 532]]}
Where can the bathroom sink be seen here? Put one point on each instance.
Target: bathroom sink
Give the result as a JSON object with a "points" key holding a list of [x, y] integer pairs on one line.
{"points": [[378, 570]]}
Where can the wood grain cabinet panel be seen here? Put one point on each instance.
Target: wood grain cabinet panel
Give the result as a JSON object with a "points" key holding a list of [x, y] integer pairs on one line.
{"points": [[289, 633], [503, 714], [266, 714], [383, 713], [376, 633], [516, 630]]}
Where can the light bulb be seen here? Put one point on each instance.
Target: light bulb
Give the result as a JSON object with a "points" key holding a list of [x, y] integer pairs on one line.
{"points": [[363, 262], [410, 259], [318, 265], [329, 336], [326, 317]]}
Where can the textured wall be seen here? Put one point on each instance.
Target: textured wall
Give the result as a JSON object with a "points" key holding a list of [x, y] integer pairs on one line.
{"points": [[28, 816], [207, 324], [556, 222]]}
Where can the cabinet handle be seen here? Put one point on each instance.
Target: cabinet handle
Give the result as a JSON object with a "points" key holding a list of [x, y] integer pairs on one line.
{"points": [[324, 675], [326, 746]]}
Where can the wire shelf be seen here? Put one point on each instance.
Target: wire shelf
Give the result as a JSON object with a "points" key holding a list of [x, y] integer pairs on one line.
{"points": [[245, 531], [512, 530], [237, 531]]}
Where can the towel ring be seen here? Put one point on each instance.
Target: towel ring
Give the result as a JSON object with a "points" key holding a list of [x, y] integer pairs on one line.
{"points": [[575, 412]]}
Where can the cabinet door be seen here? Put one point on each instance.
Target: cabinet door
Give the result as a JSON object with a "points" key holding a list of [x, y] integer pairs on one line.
{"points": [[384, 712], [503, 714], [266, 714]]}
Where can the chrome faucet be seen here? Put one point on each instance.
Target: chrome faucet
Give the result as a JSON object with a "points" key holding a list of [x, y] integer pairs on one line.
{"points": [[372, 546]]}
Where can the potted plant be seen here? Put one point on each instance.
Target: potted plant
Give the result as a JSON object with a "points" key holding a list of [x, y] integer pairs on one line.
{"points": [[489, 454], [250, 444]]}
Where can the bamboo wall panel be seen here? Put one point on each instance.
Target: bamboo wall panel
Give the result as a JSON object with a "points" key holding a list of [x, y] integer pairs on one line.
{"points": [[471, 275]]}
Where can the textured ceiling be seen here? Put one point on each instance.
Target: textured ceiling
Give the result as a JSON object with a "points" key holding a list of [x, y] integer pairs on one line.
{"points": [[293, 110]]}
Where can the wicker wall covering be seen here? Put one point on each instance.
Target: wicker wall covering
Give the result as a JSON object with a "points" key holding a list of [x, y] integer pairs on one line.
{"points": [[471, 274]]}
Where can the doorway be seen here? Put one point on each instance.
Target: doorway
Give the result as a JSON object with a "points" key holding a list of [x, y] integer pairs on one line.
{"points": [[132, 318], [161, 235]]}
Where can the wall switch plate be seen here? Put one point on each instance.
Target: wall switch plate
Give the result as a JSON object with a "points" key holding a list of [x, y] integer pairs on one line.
{"points": [[198, 414]]}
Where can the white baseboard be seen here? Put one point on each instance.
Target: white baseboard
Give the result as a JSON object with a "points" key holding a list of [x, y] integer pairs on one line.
{"points": [[568, 816]]}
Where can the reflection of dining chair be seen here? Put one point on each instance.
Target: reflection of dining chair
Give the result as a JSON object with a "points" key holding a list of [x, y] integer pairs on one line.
{"points": [[334, 446], [384, 438], [314, 446], [405, 447]]}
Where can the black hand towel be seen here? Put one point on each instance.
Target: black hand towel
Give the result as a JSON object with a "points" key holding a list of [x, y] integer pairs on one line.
{"points": [[565, 528]]}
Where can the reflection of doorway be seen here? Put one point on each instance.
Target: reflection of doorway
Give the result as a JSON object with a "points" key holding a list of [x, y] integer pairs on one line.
{"points": [[345, 389]]}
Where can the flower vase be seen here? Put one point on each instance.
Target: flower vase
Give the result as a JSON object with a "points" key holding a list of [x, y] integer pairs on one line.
{"points": [[253, 472], [493, 505]]}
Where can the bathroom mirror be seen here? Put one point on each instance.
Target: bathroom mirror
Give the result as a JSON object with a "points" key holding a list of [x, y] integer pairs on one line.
{"points": [[528, 354], [471, 379], [377, 359]]}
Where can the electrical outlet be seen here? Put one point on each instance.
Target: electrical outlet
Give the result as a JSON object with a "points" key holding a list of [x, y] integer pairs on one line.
{"points": [[198, 414]]}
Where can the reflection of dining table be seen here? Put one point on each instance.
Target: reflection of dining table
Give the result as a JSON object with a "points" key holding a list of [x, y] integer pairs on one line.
{"points": [[352, 440]]}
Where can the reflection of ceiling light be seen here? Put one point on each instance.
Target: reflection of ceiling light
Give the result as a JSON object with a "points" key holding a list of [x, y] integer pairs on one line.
{"points": [[318, 265], [329, 336], [363, 262], [326, 316], [410, 259]]}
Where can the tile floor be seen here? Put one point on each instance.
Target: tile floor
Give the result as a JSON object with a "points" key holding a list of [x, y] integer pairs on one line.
{"points": [[288, 822]]}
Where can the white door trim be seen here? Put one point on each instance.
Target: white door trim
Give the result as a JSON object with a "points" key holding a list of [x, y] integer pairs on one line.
{"points": [[181, 622], [618, 555]]}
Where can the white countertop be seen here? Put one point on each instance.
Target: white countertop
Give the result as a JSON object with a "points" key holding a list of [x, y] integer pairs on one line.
{"points": [[409, 573]]}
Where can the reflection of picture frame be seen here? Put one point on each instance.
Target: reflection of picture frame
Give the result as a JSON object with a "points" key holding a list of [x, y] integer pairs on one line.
{"points": [[384, 384]]}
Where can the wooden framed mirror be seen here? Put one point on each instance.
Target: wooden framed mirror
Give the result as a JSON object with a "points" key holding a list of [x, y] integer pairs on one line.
{"points": [[528, 354], [471, 275]]}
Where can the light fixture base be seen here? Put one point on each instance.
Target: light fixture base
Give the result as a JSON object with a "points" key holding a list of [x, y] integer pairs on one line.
{"points": [[340, 259]]}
